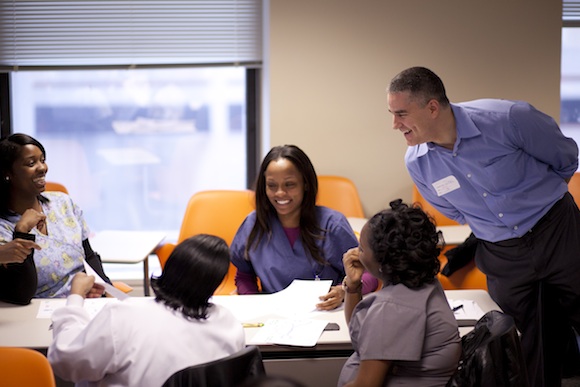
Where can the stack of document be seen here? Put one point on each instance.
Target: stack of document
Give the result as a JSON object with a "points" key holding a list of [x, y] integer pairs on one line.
{"points": [[286, 317]]}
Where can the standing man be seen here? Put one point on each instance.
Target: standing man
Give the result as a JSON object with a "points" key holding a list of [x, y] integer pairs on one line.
{"points": [[502, 167]]}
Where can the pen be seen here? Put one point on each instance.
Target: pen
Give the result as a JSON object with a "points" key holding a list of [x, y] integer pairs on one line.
{"points": [[456, 308], [252, 325]]}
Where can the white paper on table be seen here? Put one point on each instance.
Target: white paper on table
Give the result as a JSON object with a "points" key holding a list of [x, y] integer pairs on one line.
{"points": [[296, 332], [298, 301], [113, 291], [466, 309], [91, 305], [246, 308], [300, 297]]}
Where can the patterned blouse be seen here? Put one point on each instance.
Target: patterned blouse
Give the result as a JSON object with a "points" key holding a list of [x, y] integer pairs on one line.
{"points": [[62, 251]]}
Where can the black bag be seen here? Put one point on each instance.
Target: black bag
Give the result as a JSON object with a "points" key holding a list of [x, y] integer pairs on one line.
{"points": [[492, 355], [460, 256]]}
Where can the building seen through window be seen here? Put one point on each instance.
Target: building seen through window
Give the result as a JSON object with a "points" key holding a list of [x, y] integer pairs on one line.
{"points": [[132, 146]]}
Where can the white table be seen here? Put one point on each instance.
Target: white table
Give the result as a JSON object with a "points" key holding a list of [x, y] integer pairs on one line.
{"points": [[117, 246], [455, 235], [19, 326], [356, 223], [316, 366]]}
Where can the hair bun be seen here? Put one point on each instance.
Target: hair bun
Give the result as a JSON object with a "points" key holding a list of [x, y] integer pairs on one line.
{"points": [[397, 204]]}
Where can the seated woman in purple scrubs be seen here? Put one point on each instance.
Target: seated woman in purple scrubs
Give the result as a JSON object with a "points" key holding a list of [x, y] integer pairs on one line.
{"points": [[404, 334], [288, 236]]}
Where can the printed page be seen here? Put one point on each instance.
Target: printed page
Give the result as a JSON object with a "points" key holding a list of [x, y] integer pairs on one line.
{"points": [[296, 332], [91, 305]]}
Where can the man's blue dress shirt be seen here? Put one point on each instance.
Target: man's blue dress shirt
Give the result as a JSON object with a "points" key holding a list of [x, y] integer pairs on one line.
{"points": [[506, 169]]}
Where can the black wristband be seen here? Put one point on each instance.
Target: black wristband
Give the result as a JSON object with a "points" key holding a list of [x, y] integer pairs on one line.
{"points": [[23, 235]]}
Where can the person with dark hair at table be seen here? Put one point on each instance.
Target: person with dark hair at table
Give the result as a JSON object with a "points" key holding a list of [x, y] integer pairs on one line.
{"points": [[142, 342], [43, 235], [404, 334], [288, 236]]}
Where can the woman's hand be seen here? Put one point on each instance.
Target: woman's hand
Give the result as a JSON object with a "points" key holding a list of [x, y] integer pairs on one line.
{"points": [[17, 250], [354, 270], [96, 291], [353, 267], [30, 219], [84, 285], [332, 300]]}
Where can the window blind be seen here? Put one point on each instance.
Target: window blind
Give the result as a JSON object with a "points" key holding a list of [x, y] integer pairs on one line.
{"points": [[134, 33], [571, 13]]}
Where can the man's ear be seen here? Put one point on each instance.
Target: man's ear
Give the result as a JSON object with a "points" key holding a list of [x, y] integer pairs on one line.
{"points": [[433, 106]]}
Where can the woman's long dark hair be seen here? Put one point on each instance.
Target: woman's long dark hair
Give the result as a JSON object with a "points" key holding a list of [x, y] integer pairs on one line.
{"points": [[191, 275], [10, 149], [310, 229], [404, 241]]}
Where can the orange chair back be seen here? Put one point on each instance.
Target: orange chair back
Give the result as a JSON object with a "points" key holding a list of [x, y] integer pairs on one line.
{"points": [[467, 277], [217, 212], [24, 367], [440, 219], [574, 187], [340, 194], [53, 186]]}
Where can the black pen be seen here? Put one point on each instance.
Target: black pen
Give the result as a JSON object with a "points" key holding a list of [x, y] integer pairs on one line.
{"points": [[456, 308]]}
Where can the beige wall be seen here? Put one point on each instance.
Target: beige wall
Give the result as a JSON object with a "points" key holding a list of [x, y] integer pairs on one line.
{"points": [[331, 60]]}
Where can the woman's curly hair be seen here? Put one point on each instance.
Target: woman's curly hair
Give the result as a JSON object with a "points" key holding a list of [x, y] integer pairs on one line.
{"points": [[404, 241]]}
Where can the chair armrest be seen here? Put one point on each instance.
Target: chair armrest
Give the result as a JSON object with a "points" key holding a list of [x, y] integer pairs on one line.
{"points": [[119, 285]]}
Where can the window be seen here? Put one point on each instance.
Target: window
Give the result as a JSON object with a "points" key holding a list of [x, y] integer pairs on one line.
{"points": [[132, 146], [570, 71], [139, 103], [570, 85]]}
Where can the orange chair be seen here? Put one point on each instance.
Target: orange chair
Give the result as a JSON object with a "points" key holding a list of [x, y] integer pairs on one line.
{"points": [[25, 367], [469, 276], [218, 212], [58, 187], [440, 219], [574, 187], [53, 186], [340, 194]]}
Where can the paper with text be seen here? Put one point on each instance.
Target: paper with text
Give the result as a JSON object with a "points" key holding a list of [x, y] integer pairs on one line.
{"points": [[296, 332], [91, 305]]}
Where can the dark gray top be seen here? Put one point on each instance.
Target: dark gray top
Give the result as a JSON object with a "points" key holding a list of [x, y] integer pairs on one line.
{"points": [[415, 329]]}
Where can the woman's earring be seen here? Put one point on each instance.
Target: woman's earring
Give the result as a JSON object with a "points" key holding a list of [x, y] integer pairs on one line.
{"points": [[7, 178]]}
